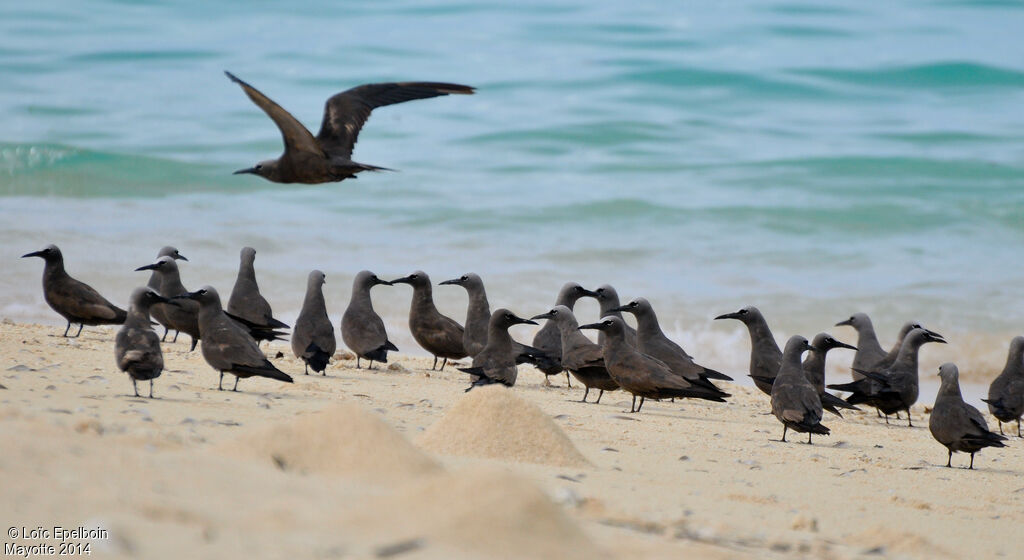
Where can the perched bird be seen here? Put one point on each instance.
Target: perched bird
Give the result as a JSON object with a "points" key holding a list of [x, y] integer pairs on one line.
{"points": [[157, 311], [76, 301], [795, 401], [956, 424], [639, 374], [608, 299], [327, 157], [496, 363], [436, 333], [651, 340], [478, 313], [580, 357], [890, 356], [765, 355], [896, 387], [137, 347], [227, 346], [361, 328], [549, 338], [814, 369], [869, 352], [246, 302], [183, 316], [313, 337], [1006, 394]]}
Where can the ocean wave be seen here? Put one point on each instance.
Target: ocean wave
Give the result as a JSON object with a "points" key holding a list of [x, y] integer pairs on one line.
{"points": [[939, 75]]}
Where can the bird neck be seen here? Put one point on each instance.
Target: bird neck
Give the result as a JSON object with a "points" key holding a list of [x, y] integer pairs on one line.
{"points": [[314, 298], [170, 284], [423, 299], [949, 390], [138, 317], [647, 324], [867, 339], [568, 300], [154, 281], [479, 309], [907, 357], [1015, 361], [497, 334], [814, 363], [761, 337]]}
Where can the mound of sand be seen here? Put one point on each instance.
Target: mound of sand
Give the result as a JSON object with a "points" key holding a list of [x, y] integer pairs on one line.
{"points": [[493, 422], [343, 439], [474, 513]]}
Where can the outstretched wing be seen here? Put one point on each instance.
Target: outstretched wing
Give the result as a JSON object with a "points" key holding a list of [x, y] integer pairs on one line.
{"points": [[296, 136], [346, 112]]}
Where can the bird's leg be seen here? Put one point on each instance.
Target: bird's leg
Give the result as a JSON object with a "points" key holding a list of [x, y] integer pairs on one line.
{"points": [[878, 412], [949, 461], [809, 438], [1018, 428], [886, 419], [632, 407], [641, 404], [370, 366], [784, 428], [567, 382], [897, 415], [585, 393], [79, 333], [972, 462], [68, 328], [1000, 427], [176, 333], [220, 386], [547, 382], [236, 383], [357, 362], [135, 387], [909, 423], [444, 363], [599, 395], [433, 367], [150, 388], [307, 369], [164, 337], [194, 342], [324, 372]]}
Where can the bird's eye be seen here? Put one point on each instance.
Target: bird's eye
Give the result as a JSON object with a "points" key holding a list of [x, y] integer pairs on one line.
{"points": [[464, 277], [830, 341], [414, 276], [202, 292], [852, 319], [743, 311], [258, 167]]}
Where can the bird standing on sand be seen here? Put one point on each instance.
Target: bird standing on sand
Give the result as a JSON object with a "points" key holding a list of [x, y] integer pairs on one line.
{"points": [[436, 333], [956, 424], [580, 357], [361, 328], [248, 304], [76, 301], [549, 337], [183, 316], [313, 336], [496, 363], [478, 312], [642, 375], [765, 355], [814, 369], [227, 346], [1006, 394], [157, 311], [137, 347], [869, 351], [896, 387], [327, 157], [795, 401]]}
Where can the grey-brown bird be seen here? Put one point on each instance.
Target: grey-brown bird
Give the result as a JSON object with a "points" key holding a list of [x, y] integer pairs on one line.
{"points": [[436, 333], [327, 157], [157, 311], [795, 401], [608, 299], [956, 424], [137, 346], [1006, 394], [313, 336], [765, 355], [76, 301], [226, 345], [183, 316], [814, 369], [549, 337], [361, 328], [478, 312], [869, 351], [248, 306], [580, 357], [496, 363], [640, 374]]}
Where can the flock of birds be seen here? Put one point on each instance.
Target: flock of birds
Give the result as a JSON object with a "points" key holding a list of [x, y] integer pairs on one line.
{"points": [[642, 361]]}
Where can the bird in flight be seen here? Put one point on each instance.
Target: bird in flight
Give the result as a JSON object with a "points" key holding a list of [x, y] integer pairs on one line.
{"points": [[327, 157]]}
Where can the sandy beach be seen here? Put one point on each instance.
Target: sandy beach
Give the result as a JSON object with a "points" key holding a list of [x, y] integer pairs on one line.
{"points": [[400, 462]]}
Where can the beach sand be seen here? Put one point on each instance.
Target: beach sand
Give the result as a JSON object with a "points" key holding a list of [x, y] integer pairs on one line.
{"points": [[400, 462]]}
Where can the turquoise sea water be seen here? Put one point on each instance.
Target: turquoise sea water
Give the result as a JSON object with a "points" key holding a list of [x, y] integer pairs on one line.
{"points": [[811, 158]]}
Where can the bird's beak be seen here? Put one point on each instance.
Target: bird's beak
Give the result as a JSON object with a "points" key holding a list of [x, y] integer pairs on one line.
{"points": [[382, 282], [147, 267], [934, 337], [589, 293], [813, 348], [454, 281], [845, 323], [619, 308], [727, 316], [180, 258], [521, 321], [186, 295], [592, 326], [845, 345], [251, 170], [402, 280], [547, 315], [33, 254]]}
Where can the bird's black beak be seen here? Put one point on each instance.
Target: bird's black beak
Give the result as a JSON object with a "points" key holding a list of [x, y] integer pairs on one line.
{"points": [[380, 282], [452, 282], [547, 315], [813, 348], [845, 323], [727, 316], [180, 258], [250, 170], [934, 337], [521, 321], [186, 295], [619, 308], [147, 267], [402, 280], [33, 254], [591, 326], [844, 345]]}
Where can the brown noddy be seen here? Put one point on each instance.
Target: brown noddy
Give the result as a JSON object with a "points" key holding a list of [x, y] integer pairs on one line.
{"points": [[640, 374], [478, 312], [137, 346], [896, 387], [183, 316], [157, 310], [956, 424], [361, 328], [436, 333], [795, 402], [496, 363], [247, 305], [608, 299], [765, 355], [76, 301], [651, 340], [1006, 394], [313, 336], [327, 157], [580, 357], [549, 338], [890, 357], [814, 369], [869, 351], [226, 345]]}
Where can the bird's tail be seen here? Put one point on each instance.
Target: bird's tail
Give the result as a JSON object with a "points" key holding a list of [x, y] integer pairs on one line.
{"points": [[316, 357], [267, 370]]}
